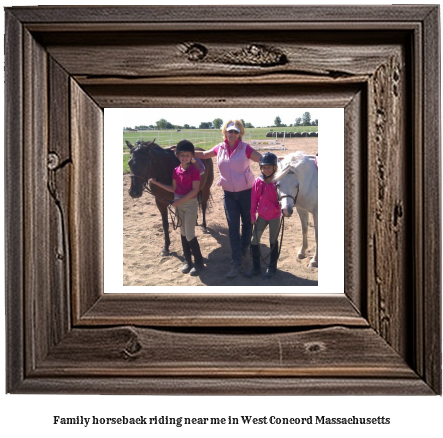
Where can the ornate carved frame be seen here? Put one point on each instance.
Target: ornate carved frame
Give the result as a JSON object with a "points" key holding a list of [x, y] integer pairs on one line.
{"points": [[65, 64]]}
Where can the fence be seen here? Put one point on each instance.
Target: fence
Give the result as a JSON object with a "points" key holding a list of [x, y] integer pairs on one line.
{"points": [[268, 144], [258, 138], [205, 139]]}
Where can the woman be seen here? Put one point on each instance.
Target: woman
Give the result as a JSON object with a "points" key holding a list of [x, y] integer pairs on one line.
{"points": [[236, 179]]}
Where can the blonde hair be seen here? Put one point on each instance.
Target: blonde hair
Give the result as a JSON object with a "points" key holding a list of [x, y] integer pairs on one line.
{"points": [[237, 123]]}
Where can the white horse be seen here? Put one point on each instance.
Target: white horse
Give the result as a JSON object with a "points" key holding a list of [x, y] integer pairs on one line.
{"points": [[297, 184]]}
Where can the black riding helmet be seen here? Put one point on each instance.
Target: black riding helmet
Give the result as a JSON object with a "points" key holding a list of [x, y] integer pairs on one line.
{"points": [[184, 146], [268, 158]]}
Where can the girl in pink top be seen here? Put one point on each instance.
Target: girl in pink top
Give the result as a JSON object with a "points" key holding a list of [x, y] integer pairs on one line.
{"points": [[236, 179], [264, 198], [185, 186]]}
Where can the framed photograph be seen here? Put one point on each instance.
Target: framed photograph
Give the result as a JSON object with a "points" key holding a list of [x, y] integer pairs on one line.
{"points": [[380, 335], [147, 270]]}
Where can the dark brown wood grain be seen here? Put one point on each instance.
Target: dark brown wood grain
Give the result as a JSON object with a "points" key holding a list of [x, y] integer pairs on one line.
{"points": [[139, 58], [59, 172], [129, 350], [232, 310], [14, 245], [98, 17], [65, 64], [86, 200], [355, 185], [430, 242], [388, 133], [37, 307]]}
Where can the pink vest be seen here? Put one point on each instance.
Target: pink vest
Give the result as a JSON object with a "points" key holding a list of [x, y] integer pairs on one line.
{"points": [[235, 171]]}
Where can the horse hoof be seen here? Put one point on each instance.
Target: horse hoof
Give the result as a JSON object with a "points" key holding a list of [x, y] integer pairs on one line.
{"points": [[313, 264], [165, 252], [204, 230], [301, 256]]}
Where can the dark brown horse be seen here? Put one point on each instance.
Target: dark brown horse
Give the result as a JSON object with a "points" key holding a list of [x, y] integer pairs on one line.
{"points": [[149, 160]]}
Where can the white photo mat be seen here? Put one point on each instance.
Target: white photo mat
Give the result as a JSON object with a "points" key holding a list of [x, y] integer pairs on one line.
{"points": [[331, 197]]}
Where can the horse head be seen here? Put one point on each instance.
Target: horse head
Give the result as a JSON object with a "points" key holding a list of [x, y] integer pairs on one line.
{"points": [[287, 180], [287, 191], [141, 165]]}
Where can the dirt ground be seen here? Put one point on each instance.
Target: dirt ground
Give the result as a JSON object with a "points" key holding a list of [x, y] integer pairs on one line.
{"points": [[143, 241]]}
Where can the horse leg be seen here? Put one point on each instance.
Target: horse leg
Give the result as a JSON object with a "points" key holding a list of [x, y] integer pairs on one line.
{"points": [[304, 215], [198, 197], [163, 208], [314, 261], [206, 192]]}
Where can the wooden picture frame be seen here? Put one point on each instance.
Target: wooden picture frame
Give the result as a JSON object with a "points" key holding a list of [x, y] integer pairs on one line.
{"points": [[65, 64]]}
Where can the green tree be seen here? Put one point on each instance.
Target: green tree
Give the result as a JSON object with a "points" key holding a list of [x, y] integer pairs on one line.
{"points": [[205, 125], [277, 121], [218, 123], [298, 121], [162, 124], [306, 118], [248, 125]]}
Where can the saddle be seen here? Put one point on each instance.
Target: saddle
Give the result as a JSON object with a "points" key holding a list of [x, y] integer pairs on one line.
{"points": [[202, 166]]}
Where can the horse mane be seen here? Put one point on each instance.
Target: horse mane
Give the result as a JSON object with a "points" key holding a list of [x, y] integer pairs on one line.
{"points": [[289, 164], [152, 150], [148, 146]]}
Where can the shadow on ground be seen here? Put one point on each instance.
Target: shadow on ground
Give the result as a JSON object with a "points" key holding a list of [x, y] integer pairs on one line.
{"points": [[218, 264]]}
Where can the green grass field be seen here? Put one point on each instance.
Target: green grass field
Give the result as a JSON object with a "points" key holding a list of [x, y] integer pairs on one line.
{"points": [[125, 163], [204, 138]]}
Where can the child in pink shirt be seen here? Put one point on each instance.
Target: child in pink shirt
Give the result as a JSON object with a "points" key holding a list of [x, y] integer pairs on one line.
{"points": [[185, 186], [264, 198]]}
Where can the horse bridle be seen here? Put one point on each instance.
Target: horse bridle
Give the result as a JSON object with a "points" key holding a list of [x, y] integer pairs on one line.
{"points": [[146, 188], [280, 197], [146, 180]]}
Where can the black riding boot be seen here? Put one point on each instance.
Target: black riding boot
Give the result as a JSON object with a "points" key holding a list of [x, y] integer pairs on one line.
{"points": [[255, 270], [187, 266], [272, 268], [198, 258]]}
